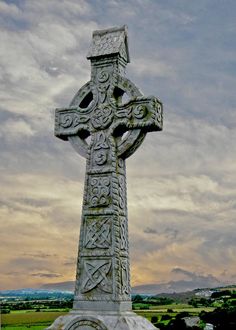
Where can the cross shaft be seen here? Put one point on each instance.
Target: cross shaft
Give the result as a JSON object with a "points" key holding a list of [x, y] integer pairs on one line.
{"points": [[97, 111]]}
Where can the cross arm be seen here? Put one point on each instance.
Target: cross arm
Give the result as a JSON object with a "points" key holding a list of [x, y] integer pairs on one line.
{"points": [[141, 113], [69, 121]]}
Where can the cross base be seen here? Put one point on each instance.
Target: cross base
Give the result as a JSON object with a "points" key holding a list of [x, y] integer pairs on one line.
{"points": [[87, 320], [110, 306]]}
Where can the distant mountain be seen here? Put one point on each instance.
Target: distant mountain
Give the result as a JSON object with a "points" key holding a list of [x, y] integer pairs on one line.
{"points": [[181, 286], [65, 290], [35, 294], [170, 287], [60, 286]]}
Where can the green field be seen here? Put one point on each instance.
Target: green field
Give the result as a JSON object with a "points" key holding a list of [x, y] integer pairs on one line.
{"points": [[25, 320], [160, 312], [18, 321], [164, 312], [22, 327]]}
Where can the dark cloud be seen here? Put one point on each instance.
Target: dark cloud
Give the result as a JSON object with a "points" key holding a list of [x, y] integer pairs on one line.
{"points": [[29, 263], [168, 232], [171, 233], [40, 255], [197, 278], [47, 275], [13, 273], [170, 212], [149, 230], [33, 202], [5, 115], [69, 263]]}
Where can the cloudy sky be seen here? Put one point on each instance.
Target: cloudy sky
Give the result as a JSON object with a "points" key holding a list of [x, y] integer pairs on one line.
{"points": [[181, 182]]}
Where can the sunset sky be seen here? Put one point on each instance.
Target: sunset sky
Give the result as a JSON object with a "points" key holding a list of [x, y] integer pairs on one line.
{"points": [[181, 182]]}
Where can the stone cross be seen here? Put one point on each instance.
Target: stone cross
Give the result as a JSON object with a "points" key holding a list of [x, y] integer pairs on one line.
{"points": [[105, 129]]}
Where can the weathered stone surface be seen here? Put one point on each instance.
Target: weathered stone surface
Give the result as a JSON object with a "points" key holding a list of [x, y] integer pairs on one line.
{"points": [[112, 41], [97, 110], [102, 321], [191, 322]]}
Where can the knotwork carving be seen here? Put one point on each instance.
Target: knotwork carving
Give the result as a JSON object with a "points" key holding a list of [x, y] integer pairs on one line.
{"points": [[102, 117], [124, 113], [101, 141], [99, 191], [124, 277], [72, 119], [103, 92], [122, 192], [97, 276], [98, 233], [100, 149], [158, 109], [123, 233]]}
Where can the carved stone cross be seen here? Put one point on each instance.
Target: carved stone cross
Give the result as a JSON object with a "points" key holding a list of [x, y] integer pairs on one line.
{"points": [[116, 129]]}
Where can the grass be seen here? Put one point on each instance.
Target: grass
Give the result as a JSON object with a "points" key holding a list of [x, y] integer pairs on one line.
{"points": [[25, 320], [162, 310], [42, 310], [192, 310], [30, 318], [21, 327]]}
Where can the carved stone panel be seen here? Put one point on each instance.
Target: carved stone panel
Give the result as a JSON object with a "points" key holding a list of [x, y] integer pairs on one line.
{"points": [[100, 150], [100, 157], [97, 275], [97, 232], [102, 117], [125, 285], [99, 190], [122, 192]]}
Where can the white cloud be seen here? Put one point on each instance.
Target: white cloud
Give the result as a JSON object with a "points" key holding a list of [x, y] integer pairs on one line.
{"points": [[9, 10], [15, 129], [44, 59], [151, 67]]}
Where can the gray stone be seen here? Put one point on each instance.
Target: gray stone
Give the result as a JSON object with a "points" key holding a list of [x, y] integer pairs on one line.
{"points": [[116, 128], [102, 321], [209, 326], [192, 321]]}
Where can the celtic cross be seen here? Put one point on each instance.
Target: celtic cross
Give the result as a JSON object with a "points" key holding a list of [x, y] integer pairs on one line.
{"points": [[116, 129]]}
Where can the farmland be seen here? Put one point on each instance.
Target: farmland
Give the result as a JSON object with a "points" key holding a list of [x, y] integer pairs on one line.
{"points": [[22, 320], [25, 319], [165, 312]]}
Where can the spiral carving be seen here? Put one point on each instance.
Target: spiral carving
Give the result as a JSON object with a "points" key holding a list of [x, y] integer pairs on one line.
{"points": [[140, 111], [66, 120]]}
